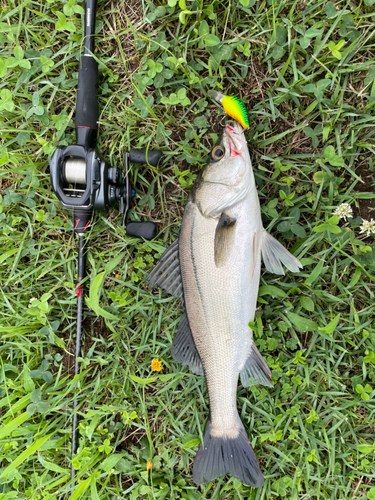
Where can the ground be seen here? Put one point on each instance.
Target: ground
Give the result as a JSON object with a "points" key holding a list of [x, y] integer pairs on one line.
{"points": [[305, 71]]}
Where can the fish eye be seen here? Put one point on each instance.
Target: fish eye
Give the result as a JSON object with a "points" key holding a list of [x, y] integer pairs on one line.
{"points": [[217, 153]]}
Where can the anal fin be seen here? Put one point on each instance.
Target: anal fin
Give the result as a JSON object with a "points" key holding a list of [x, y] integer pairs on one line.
{"points": [[184, 350], [275, 256], [256, 369]]}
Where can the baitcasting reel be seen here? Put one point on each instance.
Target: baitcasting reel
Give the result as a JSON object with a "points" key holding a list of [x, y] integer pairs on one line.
{"points": [[83, 181]]}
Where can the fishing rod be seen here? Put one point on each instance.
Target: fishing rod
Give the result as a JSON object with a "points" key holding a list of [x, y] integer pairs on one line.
{"points": [[83, 181]]}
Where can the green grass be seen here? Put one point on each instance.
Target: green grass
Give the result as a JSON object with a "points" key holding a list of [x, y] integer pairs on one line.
{"points": [[311, 100]]}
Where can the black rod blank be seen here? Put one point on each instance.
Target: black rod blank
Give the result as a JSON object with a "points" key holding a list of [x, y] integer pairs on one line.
{"points": [[80, 299], [90, 7]]}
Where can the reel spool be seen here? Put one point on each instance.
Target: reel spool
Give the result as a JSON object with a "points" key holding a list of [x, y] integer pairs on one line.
{"points": [[75, 171]]}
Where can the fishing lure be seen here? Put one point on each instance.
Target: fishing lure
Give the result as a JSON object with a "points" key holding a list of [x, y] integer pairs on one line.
{"points": [[233, 107]]}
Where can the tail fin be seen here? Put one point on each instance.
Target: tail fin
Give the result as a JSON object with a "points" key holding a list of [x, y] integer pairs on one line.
{"points": [[223, 455]]}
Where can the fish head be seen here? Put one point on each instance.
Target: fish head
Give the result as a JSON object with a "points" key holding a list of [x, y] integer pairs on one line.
{"points": [[229, 160], [228, 176]]}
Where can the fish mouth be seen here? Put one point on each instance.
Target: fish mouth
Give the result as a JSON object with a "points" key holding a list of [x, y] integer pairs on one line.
{"points": [[234, 139]]}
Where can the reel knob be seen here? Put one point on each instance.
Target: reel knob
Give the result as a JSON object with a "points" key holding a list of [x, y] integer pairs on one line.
{"points": [[152, 156], [147, 230]]}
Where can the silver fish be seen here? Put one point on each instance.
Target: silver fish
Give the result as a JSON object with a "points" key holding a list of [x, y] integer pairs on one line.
{"points": [[214, 268]]}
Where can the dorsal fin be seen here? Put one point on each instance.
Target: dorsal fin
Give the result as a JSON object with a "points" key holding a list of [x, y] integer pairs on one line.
{"points": [[167, 272]]}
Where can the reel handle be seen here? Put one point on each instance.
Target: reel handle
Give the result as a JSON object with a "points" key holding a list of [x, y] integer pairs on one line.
{"points": [[146, 229]]}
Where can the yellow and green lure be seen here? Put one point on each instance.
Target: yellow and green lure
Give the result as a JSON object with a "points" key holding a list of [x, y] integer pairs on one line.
{"points": [[233, 107]]}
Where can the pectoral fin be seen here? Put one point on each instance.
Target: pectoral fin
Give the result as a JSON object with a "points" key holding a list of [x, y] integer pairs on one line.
{"points": [[275, 256], [224, 238]]}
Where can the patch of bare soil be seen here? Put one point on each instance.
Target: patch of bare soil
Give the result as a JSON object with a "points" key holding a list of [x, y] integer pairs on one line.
{"points": [[366, 207], [6, 183], [117, 32]]}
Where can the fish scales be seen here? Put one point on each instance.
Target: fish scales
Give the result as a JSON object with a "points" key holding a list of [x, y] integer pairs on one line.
{"points": [[219, 309]]}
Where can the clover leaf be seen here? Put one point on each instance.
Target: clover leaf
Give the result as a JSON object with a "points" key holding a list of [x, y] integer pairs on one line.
{"points": [[175, 99], [330, 10], [335, 48], [331, 226], [317, 89], [46, 64], [313, 133], [37, 404], [6, 100], [63, 25], [154, 68], [364, 391], [245, 49], [333, 159]]}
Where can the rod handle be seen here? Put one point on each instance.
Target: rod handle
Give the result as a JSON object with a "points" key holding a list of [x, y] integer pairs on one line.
{"points": [[87, 96]]}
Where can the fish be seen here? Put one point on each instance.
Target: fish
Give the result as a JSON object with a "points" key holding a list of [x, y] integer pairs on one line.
{"points": [[214, 268]]}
